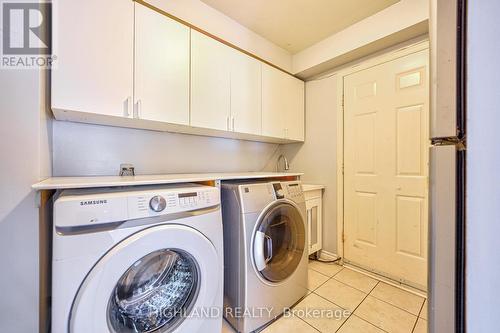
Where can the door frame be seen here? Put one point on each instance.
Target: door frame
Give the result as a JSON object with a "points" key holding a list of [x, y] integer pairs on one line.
{"points": [[407, 48]]}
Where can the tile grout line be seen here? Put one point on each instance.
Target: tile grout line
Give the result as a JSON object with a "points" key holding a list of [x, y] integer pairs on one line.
{"points": [[366, 296], [308, 324], [397, 307], [347, 284], [326, 299], [421, 308], [344, 283], [366, 321], [369, 293], [352, 312], [341, 268], [418, 317], [329, 278], [393, 283]]}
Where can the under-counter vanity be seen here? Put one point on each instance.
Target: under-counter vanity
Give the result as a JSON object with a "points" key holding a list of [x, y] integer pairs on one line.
{"points": [[314, 207]]}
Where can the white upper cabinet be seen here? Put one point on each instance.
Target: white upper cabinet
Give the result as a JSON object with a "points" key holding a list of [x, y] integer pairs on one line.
{"points": [[94, 43], [295, 112], [273, 102], [161, 68], [246, 94], [282, 105], [210, 83], [121, 63]]}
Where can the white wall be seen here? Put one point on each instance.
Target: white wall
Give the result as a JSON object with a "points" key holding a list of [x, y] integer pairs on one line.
{"points": [[395, 24], [317, 156], [81, 149], [209, 19], [483, 165], [24, 150]]}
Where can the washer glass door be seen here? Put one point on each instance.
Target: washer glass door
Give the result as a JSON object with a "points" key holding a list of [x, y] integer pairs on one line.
{"points": [[154, 293], [279, 242], [155, 280]]}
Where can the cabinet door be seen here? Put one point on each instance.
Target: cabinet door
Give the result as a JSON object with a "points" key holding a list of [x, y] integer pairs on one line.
{"points": [[246, 94], [274, 102], [294, 113], [210, 82], [161, 67], [314, 223], [282, 105], [94, 45]]}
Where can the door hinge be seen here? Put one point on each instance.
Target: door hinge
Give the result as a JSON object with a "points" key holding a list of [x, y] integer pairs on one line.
{"points": [[459, 143]]}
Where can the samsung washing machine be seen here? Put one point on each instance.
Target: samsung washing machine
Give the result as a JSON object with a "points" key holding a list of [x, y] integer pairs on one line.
{"points": [[265, 251], [142, 259]]}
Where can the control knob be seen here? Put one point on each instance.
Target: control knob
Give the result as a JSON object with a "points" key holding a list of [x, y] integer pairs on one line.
{"points": [[157, 203]]}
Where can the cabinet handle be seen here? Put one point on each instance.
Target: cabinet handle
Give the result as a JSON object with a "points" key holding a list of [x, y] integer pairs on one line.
{"points": [[137, 109], [227, 123], [232, 118], [126, 107]]}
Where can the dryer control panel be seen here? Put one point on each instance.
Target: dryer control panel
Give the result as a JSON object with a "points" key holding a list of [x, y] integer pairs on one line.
{"points": [[290, 190], [98, 206]]}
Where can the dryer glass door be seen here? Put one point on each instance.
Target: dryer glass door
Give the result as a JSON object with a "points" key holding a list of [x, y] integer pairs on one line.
{"points": [[279, 242]]}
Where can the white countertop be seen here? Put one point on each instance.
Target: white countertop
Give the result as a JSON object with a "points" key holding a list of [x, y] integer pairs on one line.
{"points": [[58, 183], [312, 187]]}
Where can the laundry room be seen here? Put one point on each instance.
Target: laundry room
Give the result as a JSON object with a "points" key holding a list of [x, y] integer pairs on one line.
{"points": [[228, 166]]}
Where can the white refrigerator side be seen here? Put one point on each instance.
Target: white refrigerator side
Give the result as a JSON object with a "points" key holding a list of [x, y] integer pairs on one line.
{"points": [[442, 239]]}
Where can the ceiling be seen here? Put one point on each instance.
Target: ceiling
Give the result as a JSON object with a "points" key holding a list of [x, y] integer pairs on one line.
{"points": [[297, 24]]}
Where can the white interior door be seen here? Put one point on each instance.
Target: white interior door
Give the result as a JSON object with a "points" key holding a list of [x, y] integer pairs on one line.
{"points": [[386, 147], [161, 67]]}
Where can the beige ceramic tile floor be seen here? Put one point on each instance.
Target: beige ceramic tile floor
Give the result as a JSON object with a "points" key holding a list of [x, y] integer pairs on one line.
{"points": [[367, 305]]}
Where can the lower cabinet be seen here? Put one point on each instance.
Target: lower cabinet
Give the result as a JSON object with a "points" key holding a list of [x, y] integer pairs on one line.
{"points": [[314, 211]]}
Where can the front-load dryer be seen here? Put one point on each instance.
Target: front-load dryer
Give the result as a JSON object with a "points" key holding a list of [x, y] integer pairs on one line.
{"points": [[142, 259], [265, 251]]}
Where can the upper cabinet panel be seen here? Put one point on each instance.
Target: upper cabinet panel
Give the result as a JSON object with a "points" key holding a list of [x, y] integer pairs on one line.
{"points": [[295, 112], [274, 102], [210, 83], [161, 68], [94, 43], [246, 94], [282, 105]]}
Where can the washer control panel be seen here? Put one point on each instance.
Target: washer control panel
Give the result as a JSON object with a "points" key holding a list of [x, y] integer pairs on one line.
{"points": [[174, 201], [98, 206]]}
